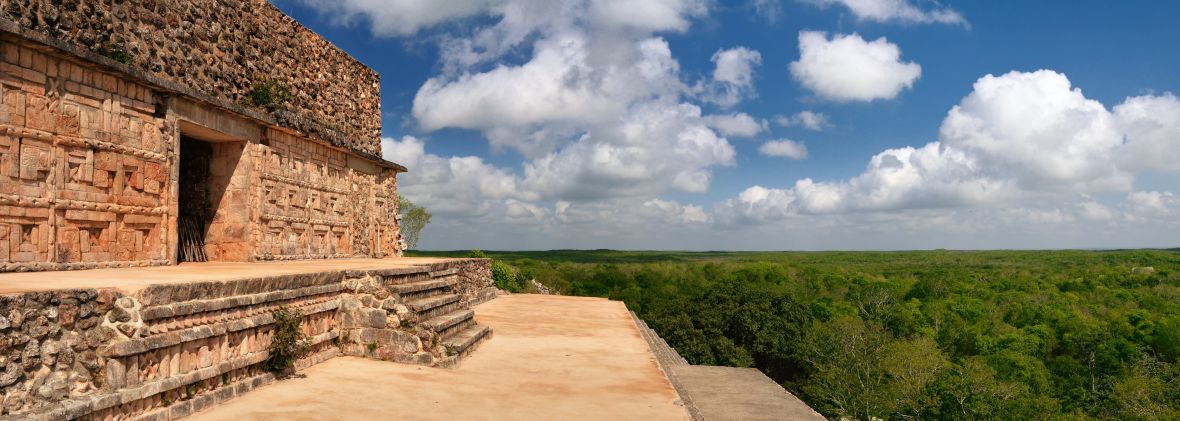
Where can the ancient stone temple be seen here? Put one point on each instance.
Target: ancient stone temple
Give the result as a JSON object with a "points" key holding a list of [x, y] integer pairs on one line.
{"points": [[143, 133], [225, 141]]}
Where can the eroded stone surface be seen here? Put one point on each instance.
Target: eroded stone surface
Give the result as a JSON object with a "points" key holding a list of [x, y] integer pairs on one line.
{"points": [[218, 48], [89, 174], [167, 350]]}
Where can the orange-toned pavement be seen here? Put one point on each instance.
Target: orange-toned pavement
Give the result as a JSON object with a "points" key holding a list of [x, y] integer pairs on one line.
{"points": [[130, 280], [552, 358]]}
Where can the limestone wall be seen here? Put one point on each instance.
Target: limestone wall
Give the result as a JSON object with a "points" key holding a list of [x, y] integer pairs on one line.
{"points": [[89, 178], [169, 350], [84, 166], [317, 202], [475, 279], [223, 48]]}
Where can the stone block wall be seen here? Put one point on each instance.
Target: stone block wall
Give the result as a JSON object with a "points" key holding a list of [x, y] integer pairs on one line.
{"points": [[169, 350], [475, 284], [84, 166], [89, 178], [316, 202], [222, 48]]}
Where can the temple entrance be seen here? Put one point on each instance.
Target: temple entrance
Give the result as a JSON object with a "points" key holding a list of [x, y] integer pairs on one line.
{"points": [[196, 211]]}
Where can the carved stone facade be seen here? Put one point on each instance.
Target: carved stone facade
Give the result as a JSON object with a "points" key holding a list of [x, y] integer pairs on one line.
{"points": [[90, 149], [222, 48], [169, 350]]}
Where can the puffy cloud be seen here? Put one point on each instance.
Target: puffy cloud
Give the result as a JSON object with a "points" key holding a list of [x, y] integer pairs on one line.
{"points": [[672, 210], [1152, 205], [646, 15], [785, 148], [558, 85], [807, 119], [461, 186], [848, 68], [598, 108], [736, 66], [894, 10], [1151, 125], [400, 17], [1038, 130], [657, 147], [1016, 138], [733, 77], [736, 125]]}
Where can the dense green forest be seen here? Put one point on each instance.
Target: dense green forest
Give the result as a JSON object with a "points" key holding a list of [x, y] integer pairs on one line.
{"points": [[910, 335]]}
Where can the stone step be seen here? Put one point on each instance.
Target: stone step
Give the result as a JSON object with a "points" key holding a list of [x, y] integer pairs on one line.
{"points": [[444, 272], [423, 306], [445, 323], [463, 341], [421, 286]]}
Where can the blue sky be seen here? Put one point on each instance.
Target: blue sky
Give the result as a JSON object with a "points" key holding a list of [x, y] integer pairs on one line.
{"points": [[680, 124]]}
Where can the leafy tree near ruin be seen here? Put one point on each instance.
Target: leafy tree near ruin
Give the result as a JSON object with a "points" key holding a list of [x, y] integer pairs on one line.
{"points": [[413, 219]]}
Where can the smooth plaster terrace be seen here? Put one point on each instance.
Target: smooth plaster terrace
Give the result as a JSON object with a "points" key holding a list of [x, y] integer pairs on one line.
{"points": [[130, 280], [552, 358]]}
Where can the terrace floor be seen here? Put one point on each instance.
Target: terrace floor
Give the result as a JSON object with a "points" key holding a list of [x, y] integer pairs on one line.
{"points": [[130, 280], [552, 358]]}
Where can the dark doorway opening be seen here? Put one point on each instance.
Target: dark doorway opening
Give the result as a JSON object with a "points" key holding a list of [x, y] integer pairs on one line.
{"points": [[196, 211]]}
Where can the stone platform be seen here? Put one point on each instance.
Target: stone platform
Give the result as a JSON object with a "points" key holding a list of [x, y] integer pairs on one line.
{"points": [[131, 280], [553, 358], [160, 343]]}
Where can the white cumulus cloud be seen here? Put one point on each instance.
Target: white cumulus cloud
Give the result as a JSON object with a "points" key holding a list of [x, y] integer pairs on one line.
{"points": [[847, 68], [806, 119], [1018, 138], [736, 124], [1152, 127], [784, 148], [894, 10], [733, 77]]}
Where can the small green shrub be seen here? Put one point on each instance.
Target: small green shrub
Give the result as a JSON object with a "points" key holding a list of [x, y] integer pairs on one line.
{"points": [[121, 56], [372, 346], [287, 344], [505, 277], [268, 92]]}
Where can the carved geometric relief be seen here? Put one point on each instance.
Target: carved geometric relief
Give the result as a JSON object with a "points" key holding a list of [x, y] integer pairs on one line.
{"points": [[139, 238], [69, 119], [85, 236], [132, 177], [151, 137], [35, 160], [80, 166], [155, 176], [28, 241], [41, 113]]}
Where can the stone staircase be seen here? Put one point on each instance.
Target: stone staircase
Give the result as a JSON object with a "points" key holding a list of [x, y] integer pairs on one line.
{"points": [[438, 311]]}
